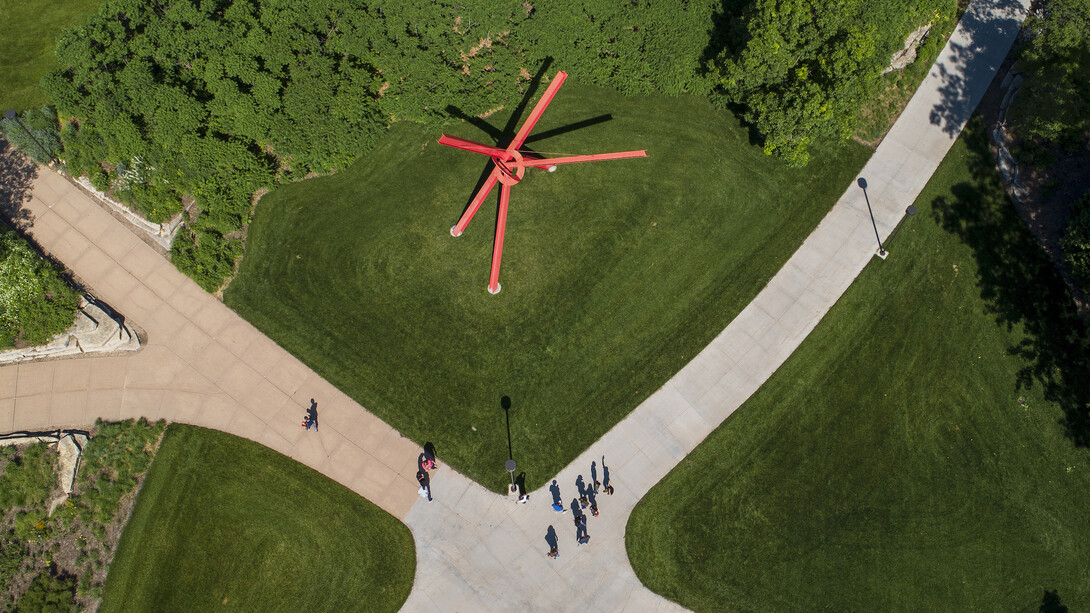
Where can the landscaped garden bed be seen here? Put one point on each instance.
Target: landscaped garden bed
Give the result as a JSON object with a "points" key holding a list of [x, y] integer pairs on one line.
{"points": [[63, 557]]}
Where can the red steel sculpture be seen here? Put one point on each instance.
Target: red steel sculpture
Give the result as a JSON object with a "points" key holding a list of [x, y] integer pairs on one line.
{"points": [[510, 167]]}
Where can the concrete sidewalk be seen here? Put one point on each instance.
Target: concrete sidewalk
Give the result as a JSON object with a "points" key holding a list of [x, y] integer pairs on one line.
{"points": [[202, 365]]}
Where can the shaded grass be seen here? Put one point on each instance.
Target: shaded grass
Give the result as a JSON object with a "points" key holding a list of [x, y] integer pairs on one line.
{"points": [[911, 455], [27, 32], [615, 274], [223, 523]]}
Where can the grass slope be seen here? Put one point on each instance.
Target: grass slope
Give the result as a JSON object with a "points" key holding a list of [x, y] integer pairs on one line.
{"points": [[27, 31], [895, 462], [223, 523], [614, 273]]}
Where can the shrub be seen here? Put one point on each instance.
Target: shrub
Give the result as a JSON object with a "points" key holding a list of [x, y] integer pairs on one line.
{"points": [[205, 255], [1054, 102], [43, 126], [99, 179], [1076, 241], [802, 70], [28, 479], [12, 551], [36, 303], [48, 594], [33, 526], [111, 462]]}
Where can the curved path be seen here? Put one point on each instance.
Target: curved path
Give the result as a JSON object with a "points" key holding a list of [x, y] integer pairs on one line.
{"points": [[476, 551]]}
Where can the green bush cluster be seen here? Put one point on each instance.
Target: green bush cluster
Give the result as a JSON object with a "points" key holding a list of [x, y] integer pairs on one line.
{"points": [[205, 255], [28, 477], [801, 70], [48, 593], [36, 303], [216, 100], [1076, 241], [42, 125], [12, 551], [1054, 102]]}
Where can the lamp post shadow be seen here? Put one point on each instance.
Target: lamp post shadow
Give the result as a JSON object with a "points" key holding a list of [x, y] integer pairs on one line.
{"points": [[510, 466], [863, 185]]}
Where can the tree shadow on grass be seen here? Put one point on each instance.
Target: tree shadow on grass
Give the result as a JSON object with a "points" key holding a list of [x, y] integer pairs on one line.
{"points": [[17, 174], [1021, 286]]}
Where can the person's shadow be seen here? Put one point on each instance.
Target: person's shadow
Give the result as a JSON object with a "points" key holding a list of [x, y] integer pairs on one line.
{"points": [[520, 483], [551, 540], [554, 489], [312, 414]]}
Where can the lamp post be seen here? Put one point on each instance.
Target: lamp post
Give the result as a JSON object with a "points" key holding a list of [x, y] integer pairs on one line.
{"points": [[13, 116], [510, 466], [881, 250]]}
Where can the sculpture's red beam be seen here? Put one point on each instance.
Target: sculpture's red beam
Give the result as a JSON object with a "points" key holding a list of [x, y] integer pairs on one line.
{"points": [[573, 159], [509, 168]]}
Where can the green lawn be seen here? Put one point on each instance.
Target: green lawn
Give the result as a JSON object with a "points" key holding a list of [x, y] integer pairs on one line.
{"points": [[894, 462], [614, 273], [27, 31], [223, 523]]}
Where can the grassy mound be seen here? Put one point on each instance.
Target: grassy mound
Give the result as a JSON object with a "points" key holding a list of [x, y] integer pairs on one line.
{"points": [[912, 454], [224, 523], [614, 273]]}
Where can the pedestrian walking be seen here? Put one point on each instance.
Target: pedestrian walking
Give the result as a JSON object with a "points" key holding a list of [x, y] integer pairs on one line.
{"points": [[581, 534], [310, 419], [553, 542], [429, 456], [425, 484]]}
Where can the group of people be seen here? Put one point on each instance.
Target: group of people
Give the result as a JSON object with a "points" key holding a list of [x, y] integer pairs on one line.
{"points": [[587, 500]]}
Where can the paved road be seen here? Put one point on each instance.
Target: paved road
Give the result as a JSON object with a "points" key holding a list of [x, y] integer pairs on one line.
{"points": [[476, 551]]}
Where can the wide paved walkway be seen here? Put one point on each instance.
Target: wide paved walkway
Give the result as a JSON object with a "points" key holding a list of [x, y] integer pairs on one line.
{"points": [[202, 364], [476, 551]]}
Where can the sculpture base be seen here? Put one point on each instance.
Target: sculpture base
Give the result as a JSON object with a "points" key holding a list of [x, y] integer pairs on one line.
{"points": [[498, 288], [454, 231]]}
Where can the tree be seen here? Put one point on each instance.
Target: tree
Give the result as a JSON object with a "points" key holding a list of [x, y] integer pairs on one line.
{"points": [[1054, 103], [801, 69]]}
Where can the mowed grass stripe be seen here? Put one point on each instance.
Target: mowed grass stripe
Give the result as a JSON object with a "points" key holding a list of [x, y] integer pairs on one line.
{"points": [[894, 463], [223, 523]]}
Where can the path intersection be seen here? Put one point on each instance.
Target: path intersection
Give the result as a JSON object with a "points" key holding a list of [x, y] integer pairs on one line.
{"points": [[477, 551]]}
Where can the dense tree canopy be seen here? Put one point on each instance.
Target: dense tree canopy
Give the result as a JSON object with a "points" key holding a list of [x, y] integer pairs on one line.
{"points": [[801, 69], [215, 99], [1054, 103]]}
